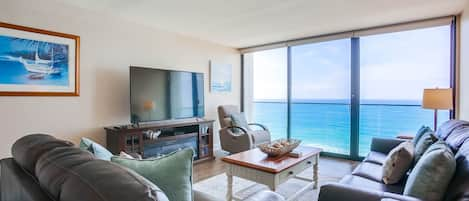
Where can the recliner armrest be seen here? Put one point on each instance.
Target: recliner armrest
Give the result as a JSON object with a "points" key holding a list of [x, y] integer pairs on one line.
{"points": [[336, 191], [384, 145]]}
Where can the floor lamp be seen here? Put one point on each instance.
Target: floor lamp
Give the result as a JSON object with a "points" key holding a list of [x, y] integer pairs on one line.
{"points": [[437, 99]]}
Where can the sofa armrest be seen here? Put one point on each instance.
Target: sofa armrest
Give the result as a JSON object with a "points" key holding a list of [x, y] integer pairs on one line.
{"points": [[336, 191], [384, 145]]}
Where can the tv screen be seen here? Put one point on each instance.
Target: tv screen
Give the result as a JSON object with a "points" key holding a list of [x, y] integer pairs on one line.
{"points": [[157, 94]]}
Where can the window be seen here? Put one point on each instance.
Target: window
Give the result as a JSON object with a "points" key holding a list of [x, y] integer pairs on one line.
{"points": [[338, 92], [266, 90], [320, 102], [394, 70]]}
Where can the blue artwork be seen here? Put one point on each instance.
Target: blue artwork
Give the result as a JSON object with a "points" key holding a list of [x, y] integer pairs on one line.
{"points": [[33, 62], [220, 77]]}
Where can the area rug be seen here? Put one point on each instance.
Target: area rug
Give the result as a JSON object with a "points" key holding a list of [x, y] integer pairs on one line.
{"points": [[217, 186]]}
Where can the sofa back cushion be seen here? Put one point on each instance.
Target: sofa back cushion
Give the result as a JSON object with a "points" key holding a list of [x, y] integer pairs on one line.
{"points": [[71, 174], [28, 149], [432, 174], [457, 137], [445, 129]]}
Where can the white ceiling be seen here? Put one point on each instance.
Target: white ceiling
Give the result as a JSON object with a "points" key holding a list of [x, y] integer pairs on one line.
{"points": [[243, 23]]}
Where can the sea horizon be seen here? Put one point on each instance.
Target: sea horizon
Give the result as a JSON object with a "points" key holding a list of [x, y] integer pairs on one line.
{"points": [[326, 123], [344, 101]]}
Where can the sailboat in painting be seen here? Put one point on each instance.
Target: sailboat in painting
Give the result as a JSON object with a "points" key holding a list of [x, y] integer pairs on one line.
{"points": [[41, 66]]}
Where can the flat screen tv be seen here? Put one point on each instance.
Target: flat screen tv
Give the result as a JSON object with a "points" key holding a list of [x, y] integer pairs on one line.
{"points": [[157, 94]]}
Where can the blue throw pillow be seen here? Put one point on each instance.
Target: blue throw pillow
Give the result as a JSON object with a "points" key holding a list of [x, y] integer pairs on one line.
{"points": [[96, 149], [420, 133], [423, 144], [172, 173], [432, 173]]}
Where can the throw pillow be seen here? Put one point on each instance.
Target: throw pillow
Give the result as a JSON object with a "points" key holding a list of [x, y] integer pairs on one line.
{"points": [[432, 174], [172, 173], [420, 133], [423, 144], [239, 120], [398, 162], [96, 149]]}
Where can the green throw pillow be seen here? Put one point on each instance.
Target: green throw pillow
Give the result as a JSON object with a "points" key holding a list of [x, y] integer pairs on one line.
{"points": [[432, 174], [238, 119], [172, 173], [420, 133], [425, 141], [96, 149]]}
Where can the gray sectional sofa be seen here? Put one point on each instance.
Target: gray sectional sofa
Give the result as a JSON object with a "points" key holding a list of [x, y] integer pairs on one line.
{"points": [[365, 182]]}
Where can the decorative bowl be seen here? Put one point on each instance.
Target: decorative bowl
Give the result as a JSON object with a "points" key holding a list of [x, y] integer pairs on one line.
{"points": [[279, 147]]}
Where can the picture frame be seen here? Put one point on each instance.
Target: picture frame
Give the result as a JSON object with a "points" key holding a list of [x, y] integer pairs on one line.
{"points": [[37, 62], [220, 77]]}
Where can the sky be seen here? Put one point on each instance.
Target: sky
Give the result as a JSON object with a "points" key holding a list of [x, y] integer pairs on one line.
{"points": [[393, 66]]}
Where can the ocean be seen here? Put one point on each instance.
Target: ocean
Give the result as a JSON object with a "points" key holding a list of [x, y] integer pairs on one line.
{"points": [[326, 124]]}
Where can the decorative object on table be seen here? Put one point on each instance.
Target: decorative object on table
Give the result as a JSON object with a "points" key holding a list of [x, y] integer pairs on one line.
{"points": [[35, 62], [220, 77], [437, 99], [279, 147], [152, 135]]}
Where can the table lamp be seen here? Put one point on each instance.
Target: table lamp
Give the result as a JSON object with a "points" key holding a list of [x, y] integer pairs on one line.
{"points": [[437, 99]]}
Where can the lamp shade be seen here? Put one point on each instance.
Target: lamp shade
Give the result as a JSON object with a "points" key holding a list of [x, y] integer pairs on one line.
{"points": [[441, 99], [149, 105]]}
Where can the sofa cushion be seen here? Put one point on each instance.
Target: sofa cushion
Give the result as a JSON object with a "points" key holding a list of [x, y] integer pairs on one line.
{"points": [[446, 128], [432, 174], [370, 171], [70, 174], [172, 173], [423, 144], [457, 137], [96, 149], [420, 133], [375, 157], [398, 162], [361, 182], [28, 149]]}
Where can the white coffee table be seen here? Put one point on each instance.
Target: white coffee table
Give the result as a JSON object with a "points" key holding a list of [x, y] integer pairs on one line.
{"points": [[254, 165]]}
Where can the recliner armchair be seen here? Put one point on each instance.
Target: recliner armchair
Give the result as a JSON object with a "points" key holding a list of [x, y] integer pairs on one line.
{"points": [[235, 142]]}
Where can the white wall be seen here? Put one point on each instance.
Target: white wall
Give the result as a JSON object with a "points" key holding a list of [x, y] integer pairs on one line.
{"points": [[108, 46], [464, 65]]}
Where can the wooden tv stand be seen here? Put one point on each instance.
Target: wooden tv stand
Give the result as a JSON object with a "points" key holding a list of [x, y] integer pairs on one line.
{"points": [[195, 133]]}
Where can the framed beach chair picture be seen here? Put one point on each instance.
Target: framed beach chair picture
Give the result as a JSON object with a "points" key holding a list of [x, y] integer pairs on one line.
{"points": [[36, 62]]}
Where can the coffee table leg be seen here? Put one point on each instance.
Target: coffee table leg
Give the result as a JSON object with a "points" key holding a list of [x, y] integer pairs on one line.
{"points": [[315, 173], [229, 192]]}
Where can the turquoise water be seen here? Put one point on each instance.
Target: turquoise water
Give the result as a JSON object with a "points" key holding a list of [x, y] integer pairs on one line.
{"points": [[327, 125]]}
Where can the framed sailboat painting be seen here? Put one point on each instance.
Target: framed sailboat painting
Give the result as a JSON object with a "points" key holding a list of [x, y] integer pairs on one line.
{"points": [[36, 62]]}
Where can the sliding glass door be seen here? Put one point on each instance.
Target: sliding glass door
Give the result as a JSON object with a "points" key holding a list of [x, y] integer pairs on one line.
{"points": [[338, 92], [320, 95], [394, 70], [265, 90]]}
